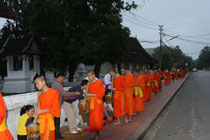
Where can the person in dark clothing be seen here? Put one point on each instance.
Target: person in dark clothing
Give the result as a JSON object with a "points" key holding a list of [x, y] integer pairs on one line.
{"points": [[69, 107], [57, 85]]}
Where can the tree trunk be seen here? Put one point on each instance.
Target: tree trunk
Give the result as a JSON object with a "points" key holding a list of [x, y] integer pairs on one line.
{"points": [[72, 69], [97, 69]]}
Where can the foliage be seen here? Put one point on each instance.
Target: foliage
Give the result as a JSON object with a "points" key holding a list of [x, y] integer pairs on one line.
{"points": [[73, 32], [204, 58], [171, 56]]}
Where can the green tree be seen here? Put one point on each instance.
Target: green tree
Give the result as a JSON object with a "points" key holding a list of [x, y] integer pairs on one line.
{"points": [[204, 57], [170, 56], [106, 39]]}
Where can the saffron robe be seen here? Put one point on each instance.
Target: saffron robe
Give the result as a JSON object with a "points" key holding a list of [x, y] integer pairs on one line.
{"points": [[48, 100], [138, 91], [177, 75], [96, 105], [160, 81], [4, 132], [151, 79], [166, 78], [156, 82], [128, 92], [169, 77], [173, 74], [147, 84], [119, 98]]}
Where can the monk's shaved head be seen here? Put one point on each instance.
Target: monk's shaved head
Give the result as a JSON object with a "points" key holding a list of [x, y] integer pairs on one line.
{"points": [[40, 78], [91, 75], [91, 72], [40, 82], [123, 71]]}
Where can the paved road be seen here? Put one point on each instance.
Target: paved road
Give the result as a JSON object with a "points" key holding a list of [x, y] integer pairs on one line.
{"points": [[187, 117]]}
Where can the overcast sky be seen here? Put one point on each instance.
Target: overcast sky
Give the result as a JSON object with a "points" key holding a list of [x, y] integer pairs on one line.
{"points": [[187, 18]]}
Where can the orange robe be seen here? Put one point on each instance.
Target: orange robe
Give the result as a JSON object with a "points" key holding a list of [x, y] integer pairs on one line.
{"points": [[177, 75], [173, 74], [151, 79], [96, 105], [160, 82], [119, 98], [48, 100], [4, 132], [181, 73], [129, 82], [169, 77], [139, 98], [166, 78], [156, 82], [146, 90]]}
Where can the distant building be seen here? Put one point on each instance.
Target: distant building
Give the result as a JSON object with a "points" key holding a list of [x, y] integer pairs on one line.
{"points": [[23, 64], [137, 58]]}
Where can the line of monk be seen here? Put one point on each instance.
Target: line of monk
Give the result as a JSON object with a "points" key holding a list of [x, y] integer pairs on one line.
{"points": [[131, 92]]}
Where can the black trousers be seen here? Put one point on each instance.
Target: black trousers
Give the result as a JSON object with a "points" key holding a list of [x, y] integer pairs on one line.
{"points": [[57, 127], [21, 137]]}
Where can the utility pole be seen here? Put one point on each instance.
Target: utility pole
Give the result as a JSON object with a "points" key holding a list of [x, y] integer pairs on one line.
{"points": [[161, 37]]}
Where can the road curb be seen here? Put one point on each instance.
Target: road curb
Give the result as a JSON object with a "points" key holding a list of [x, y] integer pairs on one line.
{"points": [[141, 135]]}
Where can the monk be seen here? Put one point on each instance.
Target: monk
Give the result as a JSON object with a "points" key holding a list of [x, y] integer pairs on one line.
{"points": [[166, 77], [181, 73], [138, 92], [119, 98], [156, 81], [173, 74], [128, 92], [96, 92], [48, 108], [161, 78], [4, 132], [169, 77], [177, 74], [147, 85], [151, 79]]}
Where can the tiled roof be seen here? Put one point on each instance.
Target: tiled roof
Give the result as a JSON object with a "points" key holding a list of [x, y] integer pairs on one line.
{"points": [[5, 11], [137, 54], [20, 46]]}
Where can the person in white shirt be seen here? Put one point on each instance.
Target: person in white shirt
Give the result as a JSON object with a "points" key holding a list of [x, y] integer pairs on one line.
{"points": [[107, 83]]}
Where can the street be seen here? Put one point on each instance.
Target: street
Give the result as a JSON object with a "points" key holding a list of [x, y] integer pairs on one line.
{"points": [[187, 116]]}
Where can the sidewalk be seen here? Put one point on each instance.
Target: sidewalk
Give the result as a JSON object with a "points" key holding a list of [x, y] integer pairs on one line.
{"points": [[138, 128]]}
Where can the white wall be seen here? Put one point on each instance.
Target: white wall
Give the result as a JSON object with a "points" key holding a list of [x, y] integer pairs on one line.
{"points": [[13, 105]]}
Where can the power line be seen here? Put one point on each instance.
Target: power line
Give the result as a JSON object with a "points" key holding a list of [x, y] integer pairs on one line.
{"points": [[200, 36], [188, 40], [137, 24], [150, 21], [136, 19]]}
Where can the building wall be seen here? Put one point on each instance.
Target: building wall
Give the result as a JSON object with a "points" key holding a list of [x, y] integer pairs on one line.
{"points": [[22, 80]]}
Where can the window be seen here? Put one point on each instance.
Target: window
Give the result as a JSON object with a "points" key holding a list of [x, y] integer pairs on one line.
{"points": [[17, 63]]}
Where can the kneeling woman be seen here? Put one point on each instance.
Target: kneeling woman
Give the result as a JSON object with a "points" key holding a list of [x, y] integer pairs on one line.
{"points": [[25, 113]]}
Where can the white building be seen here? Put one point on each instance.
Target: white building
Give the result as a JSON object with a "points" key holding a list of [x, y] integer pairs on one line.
{"points": [[22, 56]]}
